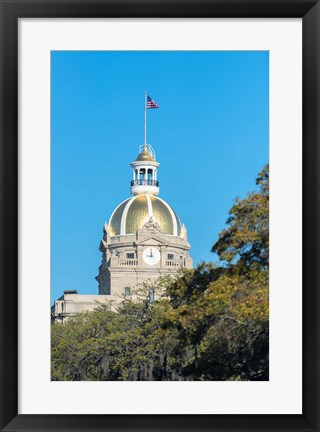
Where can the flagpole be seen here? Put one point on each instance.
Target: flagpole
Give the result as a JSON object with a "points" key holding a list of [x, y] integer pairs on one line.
{"points": [[145, 118]]}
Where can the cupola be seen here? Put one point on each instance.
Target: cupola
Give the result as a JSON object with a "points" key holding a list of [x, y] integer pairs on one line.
{"points": [[145, 169]]}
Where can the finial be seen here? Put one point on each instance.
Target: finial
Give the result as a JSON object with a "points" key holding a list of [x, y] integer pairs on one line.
{"points": [[183, 232]]}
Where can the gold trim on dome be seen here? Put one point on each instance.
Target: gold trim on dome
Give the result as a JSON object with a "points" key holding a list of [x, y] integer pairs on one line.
{"points": [[145, 156], [115, 221], [162, 215], [137, 214], [178, 222]]}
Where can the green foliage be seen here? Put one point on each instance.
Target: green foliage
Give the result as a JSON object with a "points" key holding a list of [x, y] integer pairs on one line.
{"points": [[245, 241], [208, 323]]}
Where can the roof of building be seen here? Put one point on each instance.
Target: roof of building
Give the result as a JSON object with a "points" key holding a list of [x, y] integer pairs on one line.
{"points": [[145, 156], [134, 212]]}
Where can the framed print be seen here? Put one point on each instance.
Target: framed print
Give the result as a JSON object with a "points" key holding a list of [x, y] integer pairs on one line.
{"points": [[158, 310]]}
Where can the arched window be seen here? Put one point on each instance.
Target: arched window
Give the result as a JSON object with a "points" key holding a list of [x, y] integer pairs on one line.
{"points": [[142, 173], [149, 174]]}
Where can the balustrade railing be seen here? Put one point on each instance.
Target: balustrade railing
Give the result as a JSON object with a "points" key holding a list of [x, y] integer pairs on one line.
{"points": [[168, 263], [174, 263], [144, 182], [128, 262]]}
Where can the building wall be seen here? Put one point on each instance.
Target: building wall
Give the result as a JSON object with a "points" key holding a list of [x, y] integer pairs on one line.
{"points": [[70, 304], [120, 270]]}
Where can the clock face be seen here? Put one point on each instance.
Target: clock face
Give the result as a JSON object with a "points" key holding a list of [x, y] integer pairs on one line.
{"points": [[151, 255]]}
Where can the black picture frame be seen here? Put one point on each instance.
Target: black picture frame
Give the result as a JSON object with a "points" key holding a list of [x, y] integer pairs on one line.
{"points": [[11, 11]]}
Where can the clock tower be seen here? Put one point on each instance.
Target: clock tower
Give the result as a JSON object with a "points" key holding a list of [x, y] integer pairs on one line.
{"points": [[144, 237]]}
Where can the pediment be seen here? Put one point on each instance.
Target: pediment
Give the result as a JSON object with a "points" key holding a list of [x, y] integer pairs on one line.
{"points": [[151, 240], [150, 227], [150, 234]]}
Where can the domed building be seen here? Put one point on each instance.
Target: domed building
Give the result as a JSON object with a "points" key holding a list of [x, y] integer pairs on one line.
{"points": [[144, 237], [142, 240]]}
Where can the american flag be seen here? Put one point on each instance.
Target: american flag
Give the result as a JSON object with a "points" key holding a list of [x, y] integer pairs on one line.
{"points": [[151, 103]]}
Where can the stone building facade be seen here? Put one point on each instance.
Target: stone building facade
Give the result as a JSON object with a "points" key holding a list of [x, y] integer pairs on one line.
{"points": [[142, 240]]}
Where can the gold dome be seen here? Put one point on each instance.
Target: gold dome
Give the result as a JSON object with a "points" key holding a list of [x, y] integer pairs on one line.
{"points": [[134, 212], [145, 156]]}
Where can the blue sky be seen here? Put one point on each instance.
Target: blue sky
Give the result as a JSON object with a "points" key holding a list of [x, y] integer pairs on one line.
{"points": [[211, 137]]}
